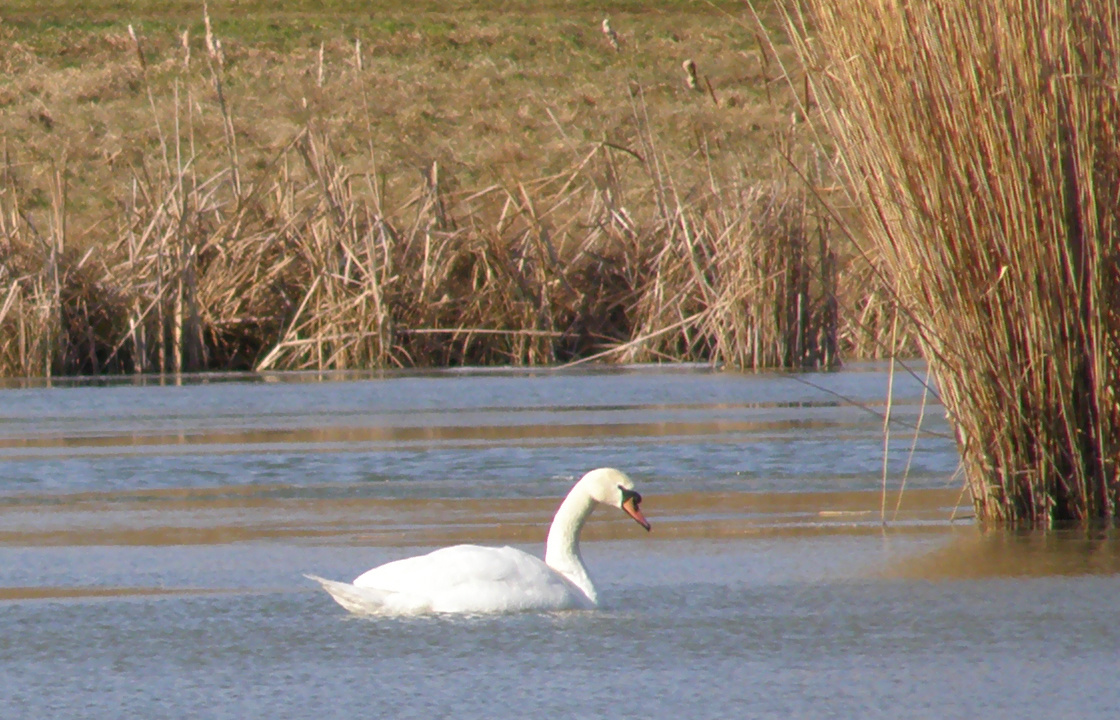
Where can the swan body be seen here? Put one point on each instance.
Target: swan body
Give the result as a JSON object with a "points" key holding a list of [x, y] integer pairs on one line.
{"points": [[477, 579]]}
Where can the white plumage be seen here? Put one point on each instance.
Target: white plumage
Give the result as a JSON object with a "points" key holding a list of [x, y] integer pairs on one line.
{"points": [[476, 579]]}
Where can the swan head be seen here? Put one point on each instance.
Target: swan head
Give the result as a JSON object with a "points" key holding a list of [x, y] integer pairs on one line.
{"points": [[615, 488]]}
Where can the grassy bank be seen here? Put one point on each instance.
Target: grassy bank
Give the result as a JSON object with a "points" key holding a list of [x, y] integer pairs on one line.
{"points": [[326, 187], [982, 140]]}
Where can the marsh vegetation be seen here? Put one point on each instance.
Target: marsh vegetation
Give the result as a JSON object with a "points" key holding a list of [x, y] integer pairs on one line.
{"points": [[981, 141], [425, 186]]}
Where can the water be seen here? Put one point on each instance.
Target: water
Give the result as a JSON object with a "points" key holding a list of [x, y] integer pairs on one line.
{"points": [[153, 539]]}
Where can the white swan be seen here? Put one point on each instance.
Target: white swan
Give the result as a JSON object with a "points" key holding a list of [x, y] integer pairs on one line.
{"points": [[474, 579]]}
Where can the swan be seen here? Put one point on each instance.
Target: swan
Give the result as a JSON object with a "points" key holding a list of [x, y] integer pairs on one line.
{"points": [[476, 579]]}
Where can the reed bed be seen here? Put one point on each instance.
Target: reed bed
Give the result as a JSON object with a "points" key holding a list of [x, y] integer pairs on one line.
{"points": [[981, 140], [226, 250], [316, 267]]}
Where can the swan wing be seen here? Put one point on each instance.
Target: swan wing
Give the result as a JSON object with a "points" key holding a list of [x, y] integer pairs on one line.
{"points": [[463, 579]]}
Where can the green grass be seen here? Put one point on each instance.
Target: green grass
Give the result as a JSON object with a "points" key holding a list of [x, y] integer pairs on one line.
{"points": [[487, 89], [279, 23]]}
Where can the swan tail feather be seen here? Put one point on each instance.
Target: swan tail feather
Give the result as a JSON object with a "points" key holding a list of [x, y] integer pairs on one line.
{"points": [[358, 600]]}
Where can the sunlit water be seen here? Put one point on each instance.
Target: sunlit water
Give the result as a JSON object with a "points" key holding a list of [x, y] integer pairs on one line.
{"points": [[153, 540]]}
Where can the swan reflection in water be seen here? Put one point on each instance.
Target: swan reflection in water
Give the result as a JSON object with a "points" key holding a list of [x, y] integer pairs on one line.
{"points": [[476, 579]]}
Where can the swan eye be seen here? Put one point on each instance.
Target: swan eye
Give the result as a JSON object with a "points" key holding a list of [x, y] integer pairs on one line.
{"points": [[631, 495]]}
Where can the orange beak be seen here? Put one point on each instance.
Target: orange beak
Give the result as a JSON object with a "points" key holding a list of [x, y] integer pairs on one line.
{"points": [[631, 509]]}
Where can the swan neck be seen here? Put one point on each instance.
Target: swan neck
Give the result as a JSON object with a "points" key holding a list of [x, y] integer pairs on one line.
{"points": [[562, 549]]}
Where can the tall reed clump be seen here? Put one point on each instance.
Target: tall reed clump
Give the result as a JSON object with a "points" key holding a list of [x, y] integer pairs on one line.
{"points": [[982, 140]]}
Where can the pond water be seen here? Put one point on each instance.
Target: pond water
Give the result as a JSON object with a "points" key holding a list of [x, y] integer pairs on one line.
{"points": [[154, 536]]}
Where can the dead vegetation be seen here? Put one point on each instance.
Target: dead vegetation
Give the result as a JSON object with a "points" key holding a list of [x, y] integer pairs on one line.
{"points": [[208, 231], [981, 140]]}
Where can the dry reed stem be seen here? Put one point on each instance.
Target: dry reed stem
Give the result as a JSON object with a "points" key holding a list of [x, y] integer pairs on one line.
{"points": [[536, 286], [981, 139]]}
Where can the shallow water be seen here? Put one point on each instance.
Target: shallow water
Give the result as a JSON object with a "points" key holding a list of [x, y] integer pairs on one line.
{"points": [[153, 539]]}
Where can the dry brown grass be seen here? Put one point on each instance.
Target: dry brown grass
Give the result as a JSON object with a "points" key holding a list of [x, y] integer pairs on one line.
{"points": [[183, 203], [981, 139]]}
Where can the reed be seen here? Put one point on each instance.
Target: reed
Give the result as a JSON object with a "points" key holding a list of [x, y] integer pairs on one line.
{"points": [[981, 140], [567, 267], [320, 267], [240, 239]]}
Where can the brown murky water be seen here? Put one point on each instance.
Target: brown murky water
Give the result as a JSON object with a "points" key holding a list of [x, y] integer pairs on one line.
{"points": [[153, 539]]}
